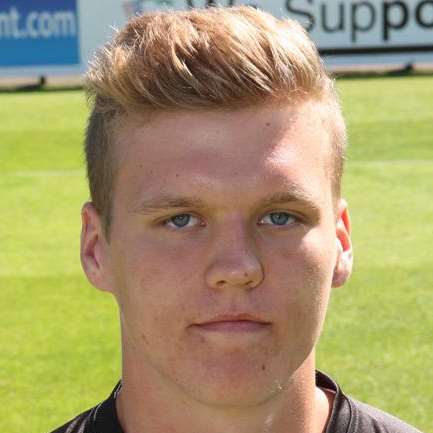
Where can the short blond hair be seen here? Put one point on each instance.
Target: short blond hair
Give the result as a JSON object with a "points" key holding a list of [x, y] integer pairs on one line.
{"points": [[201, 58]]}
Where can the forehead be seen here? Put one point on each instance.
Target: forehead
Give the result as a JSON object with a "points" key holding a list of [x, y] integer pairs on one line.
{"points": [[227, 151]]}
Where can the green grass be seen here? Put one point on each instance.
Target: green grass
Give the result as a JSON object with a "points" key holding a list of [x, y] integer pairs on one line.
{"points": [[59, 337], [379, 335]]}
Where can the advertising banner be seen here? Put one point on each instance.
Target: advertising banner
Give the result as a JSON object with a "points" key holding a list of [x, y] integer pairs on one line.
{"points": [[43, 32], [338, 27], [60, 36]]}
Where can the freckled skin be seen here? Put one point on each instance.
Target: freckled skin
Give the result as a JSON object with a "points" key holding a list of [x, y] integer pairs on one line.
{"points": [[168, 280]]}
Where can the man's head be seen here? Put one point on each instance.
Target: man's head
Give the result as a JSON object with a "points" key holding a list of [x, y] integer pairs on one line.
{"points": [[218, 58], [215, 146]]}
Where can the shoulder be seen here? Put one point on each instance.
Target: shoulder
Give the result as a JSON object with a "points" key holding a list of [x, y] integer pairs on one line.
{"points": [[101, 418], [369, 419], [76, 425], [352, 416]]}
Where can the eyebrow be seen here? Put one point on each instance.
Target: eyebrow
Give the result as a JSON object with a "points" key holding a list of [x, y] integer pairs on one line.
{"points": [[165, 202], [295, 195], [169, 202]]}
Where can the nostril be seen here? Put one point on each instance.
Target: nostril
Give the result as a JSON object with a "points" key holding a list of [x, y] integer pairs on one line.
{"points": [[220, 283]]}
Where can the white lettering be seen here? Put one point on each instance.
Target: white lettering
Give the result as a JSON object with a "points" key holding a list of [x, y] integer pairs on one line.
{"points": [[44, 24], [5, 26], [31, 25], [65, 23], [37, 24]]}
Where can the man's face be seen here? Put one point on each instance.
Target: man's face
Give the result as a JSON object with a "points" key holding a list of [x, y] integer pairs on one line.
{"points": [[223, 247]]}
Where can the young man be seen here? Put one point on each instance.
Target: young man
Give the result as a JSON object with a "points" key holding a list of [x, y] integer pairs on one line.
{"points": [[215, 151]]}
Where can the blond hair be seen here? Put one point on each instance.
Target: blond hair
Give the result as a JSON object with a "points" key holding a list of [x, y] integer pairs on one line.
{"points": [[201, 58]]}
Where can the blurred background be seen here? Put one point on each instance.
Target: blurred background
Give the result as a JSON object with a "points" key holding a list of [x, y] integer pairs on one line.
{"points": [[59, 337]]}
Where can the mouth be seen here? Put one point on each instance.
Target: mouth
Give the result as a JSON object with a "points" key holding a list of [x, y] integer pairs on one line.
{"points": [[233, 323]]}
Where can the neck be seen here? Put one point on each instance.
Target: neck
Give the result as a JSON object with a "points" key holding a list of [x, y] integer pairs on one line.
{"points": [[146, 404]]}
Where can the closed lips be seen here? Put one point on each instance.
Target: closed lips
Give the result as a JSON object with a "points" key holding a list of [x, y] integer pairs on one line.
{"points": [[233, 323]]}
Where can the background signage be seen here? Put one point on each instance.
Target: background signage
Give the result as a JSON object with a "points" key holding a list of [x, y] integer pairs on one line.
{"points": [[349, 29], [60, 36], [43, 32]]}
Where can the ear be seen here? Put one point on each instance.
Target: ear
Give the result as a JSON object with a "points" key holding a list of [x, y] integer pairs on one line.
{"points": [[344, 260], [94, 251]]}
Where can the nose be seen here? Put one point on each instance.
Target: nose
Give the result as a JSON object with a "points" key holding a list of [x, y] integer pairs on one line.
{"points": [[235, 264]]}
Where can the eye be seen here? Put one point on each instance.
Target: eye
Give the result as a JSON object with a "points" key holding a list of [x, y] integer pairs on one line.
{"points": [[278, 219], [182, 220]]}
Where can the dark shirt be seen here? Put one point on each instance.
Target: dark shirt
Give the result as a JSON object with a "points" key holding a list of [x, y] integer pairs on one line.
{"points": [[348, 416]]}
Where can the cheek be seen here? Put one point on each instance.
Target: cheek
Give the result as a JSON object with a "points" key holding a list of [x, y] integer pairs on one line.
{"points": [[155, 278], [305, 273], [316, 253]]}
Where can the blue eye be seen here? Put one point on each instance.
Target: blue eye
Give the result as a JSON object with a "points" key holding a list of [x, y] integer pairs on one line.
{"points": [[278, 218], [180, 220]]}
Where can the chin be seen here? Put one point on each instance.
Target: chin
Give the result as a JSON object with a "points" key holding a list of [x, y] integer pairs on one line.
{"points": [[236, 395], [236, 384]]}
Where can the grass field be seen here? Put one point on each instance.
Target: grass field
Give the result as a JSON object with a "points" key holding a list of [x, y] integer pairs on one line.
{"points": [[59, 337]]}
